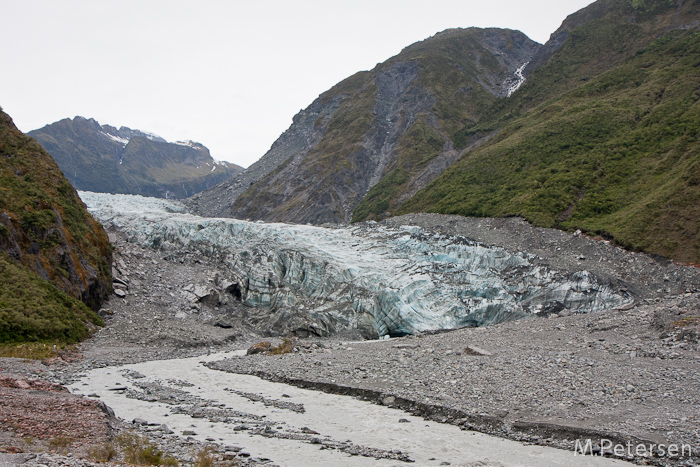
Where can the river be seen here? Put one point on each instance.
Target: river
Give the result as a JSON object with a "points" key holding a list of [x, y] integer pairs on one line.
{"points": [[262, 417]]}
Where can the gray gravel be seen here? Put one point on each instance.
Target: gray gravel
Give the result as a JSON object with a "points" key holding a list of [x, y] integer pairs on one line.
{"points": [[631, 374], [611, 372]]}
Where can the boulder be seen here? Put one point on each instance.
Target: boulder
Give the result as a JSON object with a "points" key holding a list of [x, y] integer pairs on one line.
{"points": [[260, 347], [472, 350]]}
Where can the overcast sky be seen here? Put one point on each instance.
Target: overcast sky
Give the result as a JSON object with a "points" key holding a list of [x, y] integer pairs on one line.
{"points": [[229, 74]]}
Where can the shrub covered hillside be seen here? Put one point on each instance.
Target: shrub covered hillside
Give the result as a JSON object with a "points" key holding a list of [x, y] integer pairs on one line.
{"points": [[32, 309], [46, 234], [603, 137]]}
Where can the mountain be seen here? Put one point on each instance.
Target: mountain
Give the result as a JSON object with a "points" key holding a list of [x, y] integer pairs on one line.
{"points": [[602, 137], [105, 159], [55, 258], [379, 136]]}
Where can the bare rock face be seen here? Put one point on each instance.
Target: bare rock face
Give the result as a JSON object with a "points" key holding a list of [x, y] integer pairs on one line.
{"points": [[303, 135], [370, 280]]}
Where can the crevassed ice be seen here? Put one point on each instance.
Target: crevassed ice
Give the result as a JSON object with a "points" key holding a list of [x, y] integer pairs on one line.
{"points": [[370, 278]]}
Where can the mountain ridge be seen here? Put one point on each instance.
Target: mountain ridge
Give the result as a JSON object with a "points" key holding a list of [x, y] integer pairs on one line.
{"points": [[103, 158], [604, 144], [571, 148]]}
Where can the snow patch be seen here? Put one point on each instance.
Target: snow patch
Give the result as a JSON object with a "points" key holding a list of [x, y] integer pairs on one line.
{"points": [[119, 140], [152, 136], [188, 143]]}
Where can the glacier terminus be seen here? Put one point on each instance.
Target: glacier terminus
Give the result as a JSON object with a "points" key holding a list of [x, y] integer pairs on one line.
{"points": [[368, 279]]}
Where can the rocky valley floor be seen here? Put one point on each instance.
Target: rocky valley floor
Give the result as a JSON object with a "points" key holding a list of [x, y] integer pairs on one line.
{"points": [[630, 374]]}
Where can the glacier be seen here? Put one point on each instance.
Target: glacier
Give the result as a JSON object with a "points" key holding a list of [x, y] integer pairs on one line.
{"points": [[369, 278]]}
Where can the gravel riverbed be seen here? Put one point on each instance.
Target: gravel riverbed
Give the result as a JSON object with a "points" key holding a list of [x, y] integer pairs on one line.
{"points": [[627, 375]]}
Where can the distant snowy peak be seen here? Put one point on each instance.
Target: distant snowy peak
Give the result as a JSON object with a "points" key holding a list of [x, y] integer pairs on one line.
{"points": [[124, 134], [151, 136], [117, 159], [190, 143]]}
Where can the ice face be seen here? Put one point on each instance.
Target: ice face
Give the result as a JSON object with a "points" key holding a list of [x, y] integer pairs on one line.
{"points": [[370, 278]]}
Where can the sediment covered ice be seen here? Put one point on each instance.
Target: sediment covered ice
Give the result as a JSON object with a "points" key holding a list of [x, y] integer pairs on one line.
{"points": [[367, 278]]}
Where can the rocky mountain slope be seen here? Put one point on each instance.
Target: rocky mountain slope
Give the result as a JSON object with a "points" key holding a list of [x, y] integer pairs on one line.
{"points": [[393, 123], [602, 137], [105, 159], [52, 251]]}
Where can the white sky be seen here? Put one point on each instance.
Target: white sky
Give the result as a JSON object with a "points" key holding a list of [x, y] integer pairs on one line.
{"points": [[229, 74]]}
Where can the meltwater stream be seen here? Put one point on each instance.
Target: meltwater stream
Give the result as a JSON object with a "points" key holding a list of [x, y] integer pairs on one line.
{"points": [[299, 427]]}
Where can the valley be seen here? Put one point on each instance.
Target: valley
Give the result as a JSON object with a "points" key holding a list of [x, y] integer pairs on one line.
{"points": [[482, 251], [627, 372]]}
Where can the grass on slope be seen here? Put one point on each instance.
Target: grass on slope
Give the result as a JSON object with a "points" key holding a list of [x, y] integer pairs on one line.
{"points": [[613, 32], [32, 309], [451, 65], [43, 210], [618, 156], [454, 66]]}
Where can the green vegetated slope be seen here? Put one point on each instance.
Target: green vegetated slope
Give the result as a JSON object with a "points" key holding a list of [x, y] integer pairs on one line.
{"points": [[105, 159], [33, 309], [613, 152], [55, 258], [389, 124]]}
